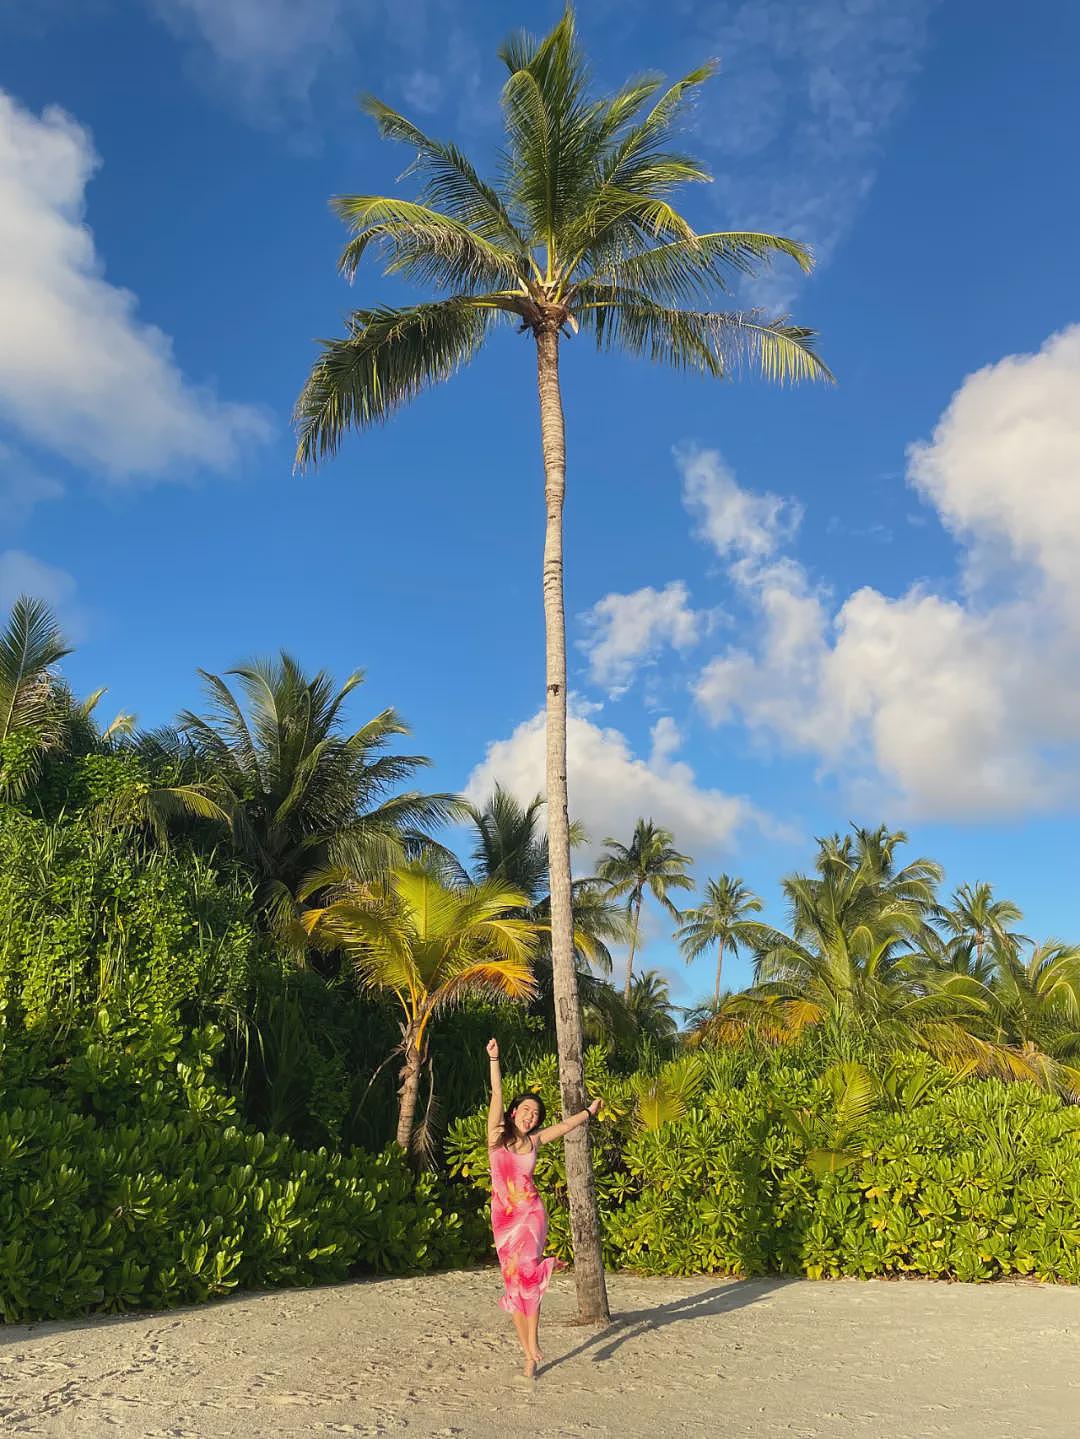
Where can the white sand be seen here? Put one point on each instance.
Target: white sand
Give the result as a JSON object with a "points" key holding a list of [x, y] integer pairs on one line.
{"points": [[434, 1356]]}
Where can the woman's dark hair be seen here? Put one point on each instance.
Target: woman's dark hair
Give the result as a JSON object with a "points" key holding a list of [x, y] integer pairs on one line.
{"points": [[509, 1133]]}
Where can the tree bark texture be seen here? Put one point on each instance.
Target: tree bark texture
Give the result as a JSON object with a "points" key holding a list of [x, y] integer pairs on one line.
{"points": [[407, 1094], [584, 1220], [632, 950]]}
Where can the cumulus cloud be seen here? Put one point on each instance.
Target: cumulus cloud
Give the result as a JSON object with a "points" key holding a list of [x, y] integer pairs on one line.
{"points": [[611, 787], [806, 97], [1003, 469], [732, 520], [624, 631], [80, 373], [955, 707]]}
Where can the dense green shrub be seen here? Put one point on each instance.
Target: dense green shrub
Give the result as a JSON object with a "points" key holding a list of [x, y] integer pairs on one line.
{"points": [[90, 917], [704, 1168], [126, 1181]]}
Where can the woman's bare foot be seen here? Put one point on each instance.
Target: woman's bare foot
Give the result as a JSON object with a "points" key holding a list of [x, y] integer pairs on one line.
{"points": [[537, 1355], [530, 1369]]}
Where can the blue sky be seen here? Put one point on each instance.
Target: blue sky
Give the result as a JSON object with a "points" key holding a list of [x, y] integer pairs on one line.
{"points": [[788, 609]]}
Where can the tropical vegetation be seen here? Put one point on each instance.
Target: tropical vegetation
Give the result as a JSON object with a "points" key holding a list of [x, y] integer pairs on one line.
{"points": [[201, 1089]]}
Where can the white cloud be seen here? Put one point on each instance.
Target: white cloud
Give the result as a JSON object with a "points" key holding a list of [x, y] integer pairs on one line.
{"points": [[611, 787], [734, 521], [625, 630], [266, 50], [806, 95], [23, 574], [269, 57], [423, 91], [80, 373], [950, 707], [1003, 468]]}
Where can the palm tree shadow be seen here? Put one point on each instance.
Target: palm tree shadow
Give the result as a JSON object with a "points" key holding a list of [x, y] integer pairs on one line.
{"points": [[636, 1323]]}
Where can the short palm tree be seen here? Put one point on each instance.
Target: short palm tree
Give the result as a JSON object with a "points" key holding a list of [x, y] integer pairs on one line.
{"points": [[649, 862], [580, 236], [302, 793], [1024, 1022], [431, 946], [721, 921]]}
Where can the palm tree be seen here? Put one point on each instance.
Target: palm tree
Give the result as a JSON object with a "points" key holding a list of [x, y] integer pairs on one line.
{"points": [[722, 921], [1023, 1022], [582, 235], [41, 718], [429, 945], [650, 861], [511, 846], [857, 931], [650, 1006], [976, 918], [31, 721], [300, 792]]}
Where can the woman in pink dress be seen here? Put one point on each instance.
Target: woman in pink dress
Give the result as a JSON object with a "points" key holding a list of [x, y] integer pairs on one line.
{"points": [[518, 1216]]}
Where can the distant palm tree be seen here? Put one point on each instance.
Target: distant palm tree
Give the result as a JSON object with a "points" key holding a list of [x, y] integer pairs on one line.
{"points": [[580, 236], [302, 793], [721, 920], [650, 861], [650, 1006], [510, 845], [858, 876], [430, 946], [976, 919]]}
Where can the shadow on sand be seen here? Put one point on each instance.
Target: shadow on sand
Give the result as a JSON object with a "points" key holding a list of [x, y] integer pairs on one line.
{"points": [[636, 1323]]}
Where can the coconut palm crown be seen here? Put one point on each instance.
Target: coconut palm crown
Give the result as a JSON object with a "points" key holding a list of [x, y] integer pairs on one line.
{"points": [[580, 234]]}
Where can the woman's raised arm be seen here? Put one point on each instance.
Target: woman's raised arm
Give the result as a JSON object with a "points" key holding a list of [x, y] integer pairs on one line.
{"points": [[495, 1108], [556, 1131]]}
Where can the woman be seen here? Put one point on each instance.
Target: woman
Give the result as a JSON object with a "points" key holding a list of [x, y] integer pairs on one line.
{"points": [[518, 1216]]}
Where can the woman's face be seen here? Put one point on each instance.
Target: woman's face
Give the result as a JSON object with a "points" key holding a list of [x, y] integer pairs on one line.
{"points": [[526, 1116]]}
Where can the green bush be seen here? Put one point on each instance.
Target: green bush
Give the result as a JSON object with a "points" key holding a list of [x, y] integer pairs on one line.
{"points": [[90, 917], [126, 1181], [713, 1166]]}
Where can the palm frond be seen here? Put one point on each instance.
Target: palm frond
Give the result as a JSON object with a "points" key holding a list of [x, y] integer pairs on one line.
{"points": [[716, 343], [696, 267], [388, 357], [422, 244], [451, 183], [30, 644]]}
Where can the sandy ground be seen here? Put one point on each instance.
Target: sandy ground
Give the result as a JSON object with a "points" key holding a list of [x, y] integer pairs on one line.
{"points": [[434, 1356]]}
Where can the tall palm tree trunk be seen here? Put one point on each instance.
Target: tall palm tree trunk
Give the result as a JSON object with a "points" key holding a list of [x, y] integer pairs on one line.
{"points": [[584, 1221], [407, 1094], [633, 950], [719, 968]]}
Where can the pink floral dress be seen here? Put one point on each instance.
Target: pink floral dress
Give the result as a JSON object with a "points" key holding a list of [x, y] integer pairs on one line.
{"points": [[520, 1223]]}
